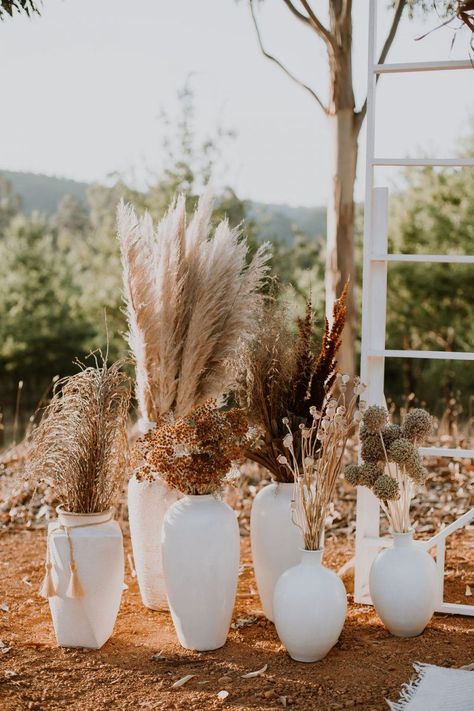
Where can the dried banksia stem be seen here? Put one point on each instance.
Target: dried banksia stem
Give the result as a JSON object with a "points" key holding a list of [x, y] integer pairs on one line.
{"points": [[281, 375], [80, 446]]}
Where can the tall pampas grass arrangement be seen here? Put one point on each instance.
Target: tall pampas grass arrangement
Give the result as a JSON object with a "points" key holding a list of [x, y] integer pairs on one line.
{"points": [[191, 301], [80, 445]]}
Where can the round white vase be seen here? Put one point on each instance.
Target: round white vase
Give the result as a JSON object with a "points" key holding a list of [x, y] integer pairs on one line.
{"points": [[201, 551], [97, 544], [148, 502], [309, 605], [402, 585], [276, 541]]}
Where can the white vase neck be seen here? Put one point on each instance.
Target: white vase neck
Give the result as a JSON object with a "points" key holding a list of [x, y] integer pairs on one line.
{"points": [[312, 558], [402, 539], [199, 498], [71, 519]]}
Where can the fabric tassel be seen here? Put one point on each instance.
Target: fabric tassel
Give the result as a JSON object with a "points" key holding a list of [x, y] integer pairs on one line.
{"points": [[75, 588], [47, 588]]}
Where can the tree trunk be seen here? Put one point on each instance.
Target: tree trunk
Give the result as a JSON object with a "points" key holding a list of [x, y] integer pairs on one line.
{"points": [[340, 257]]}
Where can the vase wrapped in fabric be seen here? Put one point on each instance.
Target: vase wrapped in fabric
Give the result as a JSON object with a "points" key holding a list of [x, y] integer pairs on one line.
{"points": [[279, 376], [191, 301], [402, 579], [81, 448], [86, 571], [309, 601]]}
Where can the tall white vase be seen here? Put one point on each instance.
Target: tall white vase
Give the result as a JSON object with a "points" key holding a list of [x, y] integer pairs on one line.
{"points": [[276, 541], [86, 621], [201, 551], [309, 605], [402, 585], [148, 502]]}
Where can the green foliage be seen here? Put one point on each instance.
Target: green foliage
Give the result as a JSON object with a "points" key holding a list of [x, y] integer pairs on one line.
{"points": [[430, 305]]}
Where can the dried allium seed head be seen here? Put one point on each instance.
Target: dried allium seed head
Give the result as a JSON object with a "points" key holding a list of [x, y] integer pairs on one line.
{"points": [[418, 424], [369, 472], [404, 452], [372, 448], [386, 488], [375, 418], [390, 433], [352, 474], [417, 473]]}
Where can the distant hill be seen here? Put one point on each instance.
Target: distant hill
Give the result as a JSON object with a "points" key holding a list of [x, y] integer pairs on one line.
{"points": [[276, 222], [43, 192]]}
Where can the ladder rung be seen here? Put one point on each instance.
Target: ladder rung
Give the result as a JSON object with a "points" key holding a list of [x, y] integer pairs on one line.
{"points": [[422, 66], [435, 355], [447, 452], [425, 162], [436, 258]]}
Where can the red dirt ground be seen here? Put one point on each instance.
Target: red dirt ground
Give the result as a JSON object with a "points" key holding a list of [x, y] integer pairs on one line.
{"points": [[366, 666]]}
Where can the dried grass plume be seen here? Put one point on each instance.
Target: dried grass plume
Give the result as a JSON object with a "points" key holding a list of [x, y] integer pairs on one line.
{"points": [[81, 444]]}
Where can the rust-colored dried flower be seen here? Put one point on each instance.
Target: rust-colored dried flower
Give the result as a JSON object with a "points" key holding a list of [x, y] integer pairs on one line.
{"points": [[386, 488], [194, 453]]}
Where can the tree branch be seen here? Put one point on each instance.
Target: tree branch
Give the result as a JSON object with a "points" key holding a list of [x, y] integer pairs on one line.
{"points": [[318, 26], [383, 54], [297, 13], [280, 64]]}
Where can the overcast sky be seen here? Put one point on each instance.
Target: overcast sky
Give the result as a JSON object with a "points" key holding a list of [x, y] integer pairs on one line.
{"points": [[82, 88]]}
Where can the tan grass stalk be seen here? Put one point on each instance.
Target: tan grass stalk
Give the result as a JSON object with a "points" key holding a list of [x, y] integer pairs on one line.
{"points": [[191, 301], [80, 446]]}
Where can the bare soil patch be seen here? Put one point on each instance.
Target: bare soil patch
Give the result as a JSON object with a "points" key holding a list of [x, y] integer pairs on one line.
{"points": [[366, 666]]}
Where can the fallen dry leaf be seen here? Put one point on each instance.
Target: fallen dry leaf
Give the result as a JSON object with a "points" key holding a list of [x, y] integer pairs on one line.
{"points": [[181, 682], [157, 657], [468, 592], [282, 700], [27, 581], [4, 607], [259, 672], [222, 695]]}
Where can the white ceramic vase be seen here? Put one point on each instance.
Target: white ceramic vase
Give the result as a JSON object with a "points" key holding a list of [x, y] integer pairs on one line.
{"points": [[309, 606], [276, 541], [402, 585], [148, 502], [87, 621], [201, 551]]}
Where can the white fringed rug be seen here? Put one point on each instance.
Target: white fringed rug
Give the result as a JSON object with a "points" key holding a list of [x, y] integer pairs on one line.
{"points": [[437, 689]]}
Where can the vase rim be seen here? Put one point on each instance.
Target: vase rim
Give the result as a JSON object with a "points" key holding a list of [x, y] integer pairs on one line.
{"points": [[199, 497], [399, 534], [61, 510]]}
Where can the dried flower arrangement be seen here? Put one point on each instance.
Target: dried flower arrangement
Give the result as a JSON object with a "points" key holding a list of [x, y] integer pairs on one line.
{"points": [[195, 453], [191, 299], [282, 374], [315, 457], [80, 445], [391, 465]]}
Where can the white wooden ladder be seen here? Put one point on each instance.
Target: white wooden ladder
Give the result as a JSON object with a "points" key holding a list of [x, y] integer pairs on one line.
{"points": [[374, 304]]}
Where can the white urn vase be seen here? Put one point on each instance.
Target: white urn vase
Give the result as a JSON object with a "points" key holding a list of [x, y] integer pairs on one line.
{"points": [[148, 502], [91, 544], [276, 541], [201, 551], [402, 585], [309, 607]]}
